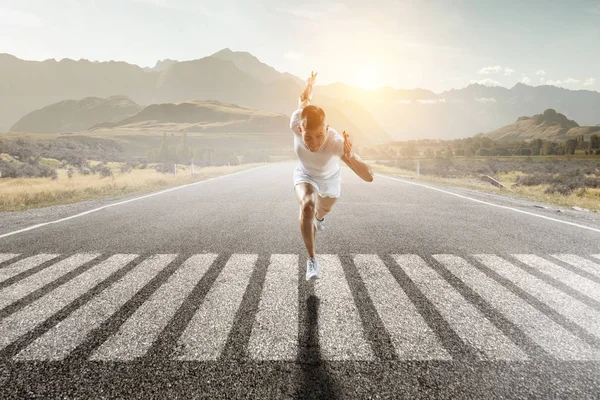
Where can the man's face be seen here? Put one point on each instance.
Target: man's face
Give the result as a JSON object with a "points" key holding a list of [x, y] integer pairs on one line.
{"points": [[313, 139]]}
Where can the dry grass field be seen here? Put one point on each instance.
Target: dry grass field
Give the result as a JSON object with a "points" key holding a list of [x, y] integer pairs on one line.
{"points": [[19, 194], [534, 179]]}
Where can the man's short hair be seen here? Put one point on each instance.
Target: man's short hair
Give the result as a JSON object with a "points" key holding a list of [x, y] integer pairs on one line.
{"points": [[313, 117]]}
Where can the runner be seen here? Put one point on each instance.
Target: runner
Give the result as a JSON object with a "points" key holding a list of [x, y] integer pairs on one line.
{"points": [[317, 181]]}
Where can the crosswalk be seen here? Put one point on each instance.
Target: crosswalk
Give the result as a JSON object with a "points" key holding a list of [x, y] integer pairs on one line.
{"points": [[119, 307]]}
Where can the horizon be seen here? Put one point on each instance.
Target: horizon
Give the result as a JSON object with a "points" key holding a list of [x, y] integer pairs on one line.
{"points": [[330, 83], [436, 46]]}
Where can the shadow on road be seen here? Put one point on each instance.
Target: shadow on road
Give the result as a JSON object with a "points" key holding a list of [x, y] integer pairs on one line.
{"points": [[315, 380]]}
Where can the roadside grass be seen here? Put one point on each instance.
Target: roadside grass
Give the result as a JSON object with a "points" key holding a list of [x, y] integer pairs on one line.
{"points": [[588, 198], [18, 194]]}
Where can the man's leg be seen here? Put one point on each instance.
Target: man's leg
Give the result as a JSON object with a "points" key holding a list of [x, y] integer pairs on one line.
{"points": [[324, 205], [306, 195]]}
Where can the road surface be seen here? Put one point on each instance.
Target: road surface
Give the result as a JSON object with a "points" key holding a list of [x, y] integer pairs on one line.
{"points": [[427, 291]]}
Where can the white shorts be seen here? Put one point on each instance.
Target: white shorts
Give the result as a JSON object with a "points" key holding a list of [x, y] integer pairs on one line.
{"points": [[330, 187]]}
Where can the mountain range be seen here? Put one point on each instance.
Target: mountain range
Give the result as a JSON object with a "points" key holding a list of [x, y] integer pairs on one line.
{"points": [[549, 125], [241, 79]]}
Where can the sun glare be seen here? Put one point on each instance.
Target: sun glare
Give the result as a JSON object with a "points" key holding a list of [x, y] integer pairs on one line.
{"points": [[368, 76]]}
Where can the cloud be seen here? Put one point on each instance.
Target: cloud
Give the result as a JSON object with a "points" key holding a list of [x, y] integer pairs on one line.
{"points": [[490, 70], [571, 80], [508, 71], [487, 82], [526, 80], [541, 72], [555, 83], [589, 81], [431, 101], [19, 18], [290, 55], [485, 100]]}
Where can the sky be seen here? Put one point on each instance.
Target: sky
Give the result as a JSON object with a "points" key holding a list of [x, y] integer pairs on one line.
{"points": [[436, 45]]}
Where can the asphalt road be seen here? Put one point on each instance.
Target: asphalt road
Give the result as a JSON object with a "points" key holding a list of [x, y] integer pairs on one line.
{"points": [[199, 291]]}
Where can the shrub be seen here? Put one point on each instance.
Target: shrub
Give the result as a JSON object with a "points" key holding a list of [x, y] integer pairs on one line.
{"points": [[559, 188], [127, 167], [105, 172], [164, 168], [533, 179]]}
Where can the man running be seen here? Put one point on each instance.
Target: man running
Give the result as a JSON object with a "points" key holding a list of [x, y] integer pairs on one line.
{"points": [[317, 181]]}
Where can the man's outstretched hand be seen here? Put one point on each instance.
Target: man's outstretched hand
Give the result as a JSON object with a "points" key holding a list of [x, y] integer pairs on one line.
{"points": [[306, 95], [312, 78], [347, 145]]}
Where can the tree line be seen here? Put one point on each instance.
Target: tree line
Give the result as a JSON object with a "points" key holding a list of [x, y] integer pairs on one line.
{"points": [[182, 153]]}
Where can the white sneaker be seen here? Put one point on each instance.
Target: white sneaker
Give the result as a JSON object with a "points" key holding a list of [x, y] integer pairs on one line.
{"points": [[319, 224], [312, 269]]}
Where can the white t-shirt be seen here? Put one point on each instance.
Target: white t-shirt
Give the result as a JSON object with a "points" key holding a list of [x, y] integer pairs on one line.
{"points": [[324, 162]]}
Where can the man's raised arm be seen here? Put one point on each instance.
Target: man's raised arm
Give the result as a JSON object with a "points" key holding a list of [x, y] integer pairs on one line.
{"points": [[352, 160], [306, 95]]}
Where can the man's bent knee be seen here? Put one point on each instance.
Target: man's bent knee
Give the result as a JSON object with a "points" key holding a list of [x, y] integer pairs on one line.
{"points": [[308, 207]]}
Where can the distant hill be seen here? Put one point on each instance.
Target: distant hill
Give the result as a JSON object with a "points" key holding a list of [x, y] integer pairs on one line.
{"points": [[254, 67], [161, 65], [548, 126], [212, 116], [228, 77], [76, 115], [203, 116], [240, 78]]}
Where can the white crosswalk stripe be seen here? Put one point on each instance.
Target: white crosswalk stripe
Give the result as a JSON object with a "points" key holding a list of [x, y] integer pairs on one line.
{"points": [[579, 262], [34, 314], [7, 256], [412, 338], [569, 278], [275, 330], [341, 335], [555, 339], [460, 314], [59, 341], [138, 333], [206, 334], [274, 334], [574, 310], [24, 265], [34, 282]]}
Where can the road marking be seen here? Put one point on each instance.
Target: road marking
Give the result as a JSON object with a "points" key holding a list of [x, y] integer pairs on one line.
{"points": [[341, 335], [206, 334], [464, 318], [555, 339], [34, 282], [28, 318], [569, 278], [64, 337], [7, 256], [124, 201], [412, 338], [139, 332], [492, 204], [574, 310], [275, 330], [579, 262], [24, 265]]}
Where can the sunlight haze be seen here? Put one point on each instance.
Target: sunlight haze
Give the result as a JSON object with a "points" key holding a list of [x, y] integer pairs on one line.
{"points": [[435, 45]]}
